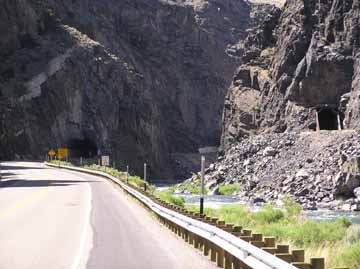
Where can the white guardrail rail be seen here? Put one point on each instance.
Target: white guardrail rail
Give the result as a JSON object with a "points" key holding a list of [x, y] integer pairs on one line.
{"points": [[250, 255]]}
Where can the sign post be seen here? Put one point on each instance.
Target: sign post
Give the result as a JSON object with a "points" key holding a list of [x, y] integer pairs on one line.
{"points": [[144, 176], [202, 185], [127, 174]]}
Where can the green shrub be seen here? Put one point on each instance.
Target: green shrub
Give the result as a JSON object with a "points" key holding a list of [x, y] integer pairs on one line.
{"points": [[192, 187], [292, 209], [57, 162], [267, 215], [229, 189], [168, 197]]}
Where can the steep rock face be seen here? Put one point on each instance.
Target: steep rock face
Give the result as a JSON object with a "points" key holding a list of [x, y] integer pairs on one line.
{"points": [[242, 103], [313, 64], [302, 76], [139, 80]]}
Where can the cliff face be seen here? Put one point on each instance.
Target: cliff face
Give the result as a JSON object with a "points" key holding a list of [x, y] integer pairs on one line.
{"points": [[300, 74], [310, 66], [313, 65], [139, 80]]}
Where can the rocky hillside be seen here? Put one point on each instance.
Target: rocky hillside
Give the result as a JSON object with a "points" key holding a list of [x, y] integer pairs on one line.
{"points": [[140, 80], [317, 169], [300, 74]]}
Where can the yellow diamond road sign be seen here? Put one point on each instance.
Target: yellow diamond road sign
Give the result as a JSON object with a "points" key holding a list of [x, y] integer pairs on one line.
{"points": [[51, 153], [62, 153]]}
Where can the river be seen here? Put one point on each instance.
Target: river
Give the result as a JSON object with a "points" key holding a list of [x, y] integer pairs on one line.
{"points": [[215, 201]]}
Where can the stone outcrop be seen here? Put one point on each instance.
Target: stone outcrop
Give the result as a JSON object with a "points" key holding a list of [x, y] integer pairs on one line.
{"points": [[311, 66], [140, 80], [300, 74]]}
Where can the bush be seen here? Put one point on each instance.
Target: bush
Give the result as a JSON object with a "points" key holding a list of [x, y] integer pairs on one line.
{"points": [[57, 162], [168, 197], [267, 215], [192, 187], [229, 189], [292, 209]]}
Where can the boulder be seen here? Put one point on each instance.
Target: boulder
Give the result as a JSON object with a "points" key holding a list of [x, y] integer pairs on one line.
{"points": [[303, 174], [270, 151], [357, 193], [346, 183], [214, 191]]}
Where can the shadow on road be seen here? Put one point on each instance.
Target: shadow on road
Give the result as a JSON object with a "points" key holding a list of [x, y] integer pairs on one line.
{"points": [[12, 167], [20, 183]]}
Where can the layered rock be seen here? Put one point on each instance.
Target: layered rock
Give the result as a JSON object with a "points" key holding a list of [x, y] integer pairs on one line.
{"points": [[138, 80]]}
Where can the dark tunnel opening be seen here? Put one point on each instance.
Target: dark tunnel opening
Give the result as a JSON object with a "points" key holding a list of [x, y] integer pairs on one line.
{"points": [[82, 148], [328, 119]]}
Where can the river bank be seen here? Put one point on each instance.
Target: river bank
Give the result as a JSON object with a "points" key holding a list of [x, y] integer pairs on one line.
{"points": [[217, 201]]}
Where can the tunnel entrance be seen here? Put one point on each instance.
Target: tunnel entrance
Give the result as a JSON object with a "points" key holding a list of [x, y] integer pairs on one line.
{"points": [[82, 148], [329, 119]]}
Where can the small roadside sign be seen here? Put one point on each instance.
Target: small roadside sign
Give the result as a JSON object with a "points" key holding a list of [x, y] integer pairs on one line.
{"points": [[105, 160], [51, 153], [62, 153]]}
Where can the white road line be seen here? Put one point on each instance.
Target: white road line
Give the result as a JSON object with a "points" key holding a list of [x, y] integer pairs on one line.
{"points": [[79, 258]]}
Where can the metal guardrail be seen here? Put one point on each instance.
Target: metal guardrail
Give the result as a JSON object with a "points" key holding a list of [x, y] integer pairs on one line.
{"points": [[248, 254]]}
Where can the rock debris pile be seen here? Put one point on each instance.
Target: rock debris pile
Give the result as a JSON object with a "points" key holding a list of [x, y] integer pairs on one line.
{"points": [[318, 169]]}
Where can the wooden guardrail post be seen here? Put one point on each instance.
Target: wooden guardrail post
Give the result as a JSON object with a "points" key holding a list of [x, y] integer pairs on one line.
{"points": [[206, 249], [270, 242], [282, 249], [228, 260], [317, 263], [220, 257], [213, 250], [298, 255]]}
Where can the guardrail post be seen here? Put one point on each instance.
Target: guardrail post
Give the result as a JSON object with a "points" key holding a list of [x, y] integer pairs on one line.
{"points": [[191, 238], [285, 257], [317, 263], [298, 255], [206, 247], [186, 236], [213, 251], [281, 249], [220, 257], [228, 261], [269, 242], [236, 263]]}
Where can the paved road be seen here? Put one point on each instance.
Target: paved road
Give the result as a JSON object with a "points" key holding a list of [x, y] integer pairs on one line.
{"points": [[53, 218]]}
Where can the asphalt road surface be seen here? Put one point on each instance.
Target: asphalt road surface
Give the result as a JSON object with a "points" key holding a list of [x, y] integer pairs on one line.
{"points": [[54, 218]]}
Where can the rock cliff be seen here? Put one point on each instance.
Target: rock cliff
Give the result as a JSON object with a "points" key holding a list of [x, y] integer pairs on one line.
{"points": [[140, 80], [300, 74]]}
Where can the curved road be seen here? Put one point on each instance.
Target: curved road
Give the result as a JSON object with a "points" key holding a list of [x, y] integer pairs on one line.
{"points": [[53, 218]]}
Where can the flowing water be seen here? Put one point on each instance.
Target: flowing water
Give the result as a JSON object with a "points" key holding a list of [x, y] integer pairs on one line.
{"points": [[215, 201]]}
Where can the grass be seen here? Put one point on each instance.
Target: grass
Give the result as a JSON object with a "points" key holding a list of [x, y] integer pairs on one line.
{"points": [[229, 189], [192, 187], [337, 241], [57, 162], [168, 197]]}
